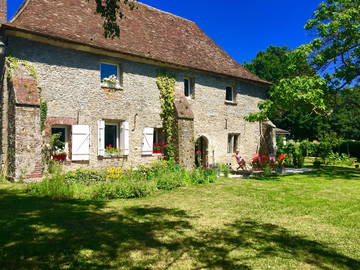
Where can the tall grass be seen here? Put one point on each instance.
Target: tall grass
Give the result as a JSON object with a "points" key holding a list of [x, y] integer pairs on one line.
{"points": [[115, 183]]}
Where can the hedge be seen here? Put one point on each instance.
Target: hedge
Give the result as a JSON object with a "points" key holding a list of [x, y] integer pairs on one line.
{"points": [[319, 149]]}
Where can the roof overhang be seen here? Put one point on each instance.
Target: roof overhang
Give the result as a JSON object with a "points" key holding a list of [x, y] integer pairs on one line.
{"points": [[9, 30]]}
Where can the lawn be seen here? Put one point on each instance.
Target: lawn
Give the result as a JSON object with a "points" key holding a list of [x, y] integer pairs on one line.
{"points": [[306, 221]]}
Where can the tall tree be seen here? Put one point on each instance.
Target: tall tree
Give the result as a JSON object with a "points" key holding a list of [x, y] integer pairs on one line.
{"points": [[298, 95], [336, 50]]}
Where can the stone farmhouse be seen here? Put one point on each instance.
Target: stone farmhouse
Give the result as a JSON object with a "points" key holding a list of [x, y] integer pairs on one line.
{"points": [[101, 94]]}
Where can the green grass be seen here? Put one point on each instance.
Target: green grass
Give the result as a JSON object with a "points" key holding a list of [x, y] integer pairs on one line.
{"points": [[294, 222]]}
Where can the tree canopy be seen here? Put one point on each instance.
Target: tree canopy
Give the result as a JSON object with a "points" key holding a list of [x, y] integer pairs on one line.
{"points": [[336, 50]]}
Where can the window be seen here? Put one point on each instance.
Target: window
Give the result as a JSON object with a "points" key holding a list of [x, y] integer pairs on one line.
{"points": [[110, 75], [189, 84], [111, 135], [113, 138], [158, 141], [230, 94], [233, 142], [153, 142], [61, 144]]}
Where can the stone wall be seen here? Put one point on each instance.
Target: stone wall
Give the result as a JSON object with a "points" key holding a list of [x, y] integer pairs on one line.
{"points": [[70, 82], [24, 150]]}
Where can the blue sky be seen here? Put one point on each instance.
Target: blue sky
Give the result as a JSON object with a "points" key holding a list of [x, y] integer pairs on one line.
{"points": [[240, 27]]}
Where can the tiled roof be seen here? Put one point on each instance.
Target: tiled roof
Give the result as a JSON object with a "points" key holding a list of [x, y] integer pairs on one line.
{"points": [[145, 32]]}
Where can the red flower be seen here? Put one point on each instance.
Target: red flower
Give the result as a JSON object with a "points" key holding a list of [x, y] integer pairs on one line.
{"points": [[109, 146], [281, 157]]}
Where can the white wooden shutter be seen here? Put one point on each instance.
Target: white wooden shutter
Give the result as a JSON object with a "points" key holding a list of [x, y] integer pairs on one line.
{"points": [[80, 142], [147, 147], [101, 138], [124, 138]]}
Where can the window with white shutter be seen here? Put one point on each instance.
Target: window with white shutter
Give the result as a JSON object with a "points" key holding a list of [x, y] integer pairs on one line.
{"points": [[80, 143], [148, 141], [101, 138], [124, 138]]}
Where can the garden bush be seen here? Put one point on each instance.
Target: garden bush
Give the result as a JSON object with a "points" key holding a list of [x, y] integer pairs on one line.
{"points": [[126, 189], [85, 176], [116, 183], [55, 188]]}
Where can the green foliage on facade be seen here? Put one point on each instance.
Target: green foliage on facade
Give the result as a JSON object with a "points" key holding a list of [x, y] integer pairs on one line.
{"points": [[13, 63], [166, 84], [43, 113]]}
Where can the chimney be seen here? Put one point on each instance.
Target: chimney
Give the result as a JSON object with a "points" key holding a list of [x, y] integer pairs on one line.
{"points": [[3, 11]]}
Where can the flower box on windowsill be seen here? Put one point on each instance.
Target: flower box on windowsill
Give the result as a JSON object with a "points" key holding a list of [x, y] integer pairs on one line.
{"points": [[61, 157], [113, 155], [110, 85]]}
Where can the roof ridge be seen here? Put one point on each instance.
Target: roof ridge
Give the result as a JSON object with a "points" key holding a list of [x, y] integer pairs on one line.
{"points": [[20, 10]]}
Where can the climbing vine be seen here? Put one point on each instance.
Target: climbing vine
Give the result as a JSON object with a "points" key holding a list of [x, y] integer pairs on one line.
{"points": [[166, 84], [43, 113], [12, 63]]}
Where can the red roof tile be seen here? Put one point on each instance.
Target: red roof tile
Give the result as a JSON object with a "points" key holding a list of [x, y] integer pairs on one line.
{"points": [[145, 32]]}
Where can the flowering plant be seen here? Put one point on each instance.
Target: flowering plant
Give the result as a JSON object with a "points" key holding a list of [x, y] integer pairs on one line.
{"points": [[111, 81], [111, 150]]}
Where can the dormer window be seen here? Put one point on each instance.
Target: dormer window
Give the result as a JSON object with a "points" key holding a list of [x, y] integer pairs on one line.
{"points": [[110, 75], [230, 94], [189, 84]]}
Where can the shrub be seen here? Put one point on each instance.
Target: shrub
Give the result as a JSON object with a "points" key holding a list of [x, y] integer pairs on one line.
{"points": [[124, 189], [170, 180], [117, 183], [85, 176], [225, 169], [294, 155], [203, 176], [55, 188]]}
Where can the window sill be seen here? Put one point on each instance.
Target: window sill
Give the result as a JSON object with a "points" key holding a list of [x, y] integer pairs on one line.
{"points": [[233, 103], [112, 156], [111, 87]]}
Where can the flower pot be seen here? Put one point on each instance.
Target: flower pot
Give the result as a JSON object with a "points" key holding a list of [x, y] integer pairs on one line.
{"points": [[59, 157]]}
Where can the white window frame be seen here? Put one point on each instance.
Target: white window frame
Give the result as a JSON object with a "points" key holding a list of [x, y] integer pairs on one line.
{"points": [[191, 82], [67, 136], [233, 94], [118, 125], [118, 75]]}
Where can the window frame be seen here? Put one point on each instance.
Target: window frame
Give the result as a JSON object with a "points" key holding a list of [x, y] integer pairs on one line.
{"points": [[233, 142], [67, 137], [233, 94], [118, 133], [191, 87], [159, 137], [118, 75]]}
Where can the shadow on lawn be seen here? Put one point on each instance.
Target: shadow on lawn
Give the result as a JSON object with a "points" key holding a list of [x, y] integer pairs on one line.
{"points": [[336, 173], [37, 233]]}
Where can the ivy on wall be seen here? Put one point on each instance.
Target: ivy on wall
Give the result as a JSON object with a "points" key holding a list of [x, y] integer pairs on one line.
{"points": [[43, 113], [166, 84], [12, 64]]}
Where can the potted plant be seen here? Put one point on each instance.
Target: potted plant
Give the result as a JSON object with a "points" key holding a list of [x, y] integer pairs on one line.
{"points": [[110, 150], [279, 164], [60, 156], [57, 148], [111, 82], [157, 148]]}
